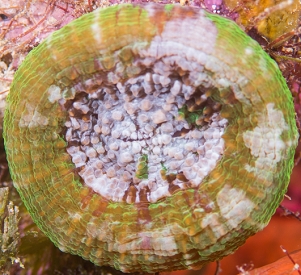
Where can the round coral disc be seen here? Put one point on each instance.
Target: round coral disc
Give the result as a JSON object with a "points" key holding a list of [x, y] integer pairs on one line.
{"points": [[150, 137]]}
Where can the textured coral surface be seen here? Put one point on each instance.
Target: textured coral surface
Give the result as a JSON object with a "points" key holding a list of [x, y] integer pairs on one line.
{"points": [[293, 81], [193, 223]]}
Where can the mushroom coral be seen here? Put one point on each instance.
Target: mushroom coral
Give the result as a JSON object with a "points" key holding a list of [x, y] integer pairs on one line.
{"points": [[150, 137]]}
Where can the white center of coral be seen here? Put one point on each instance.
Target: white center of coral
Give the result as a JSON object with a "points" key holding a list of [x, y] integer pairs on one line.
{"points": [[146, 138]]}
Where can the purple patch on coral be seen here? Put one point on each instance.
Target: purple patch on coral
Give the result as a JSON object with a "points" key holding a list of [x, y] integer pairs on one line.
{"points": [[213, 5]]}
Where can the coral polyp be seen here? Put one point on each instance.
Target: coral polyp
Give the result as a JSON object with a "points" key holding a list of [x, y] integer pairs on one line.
{"points": [[150, 137]]}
